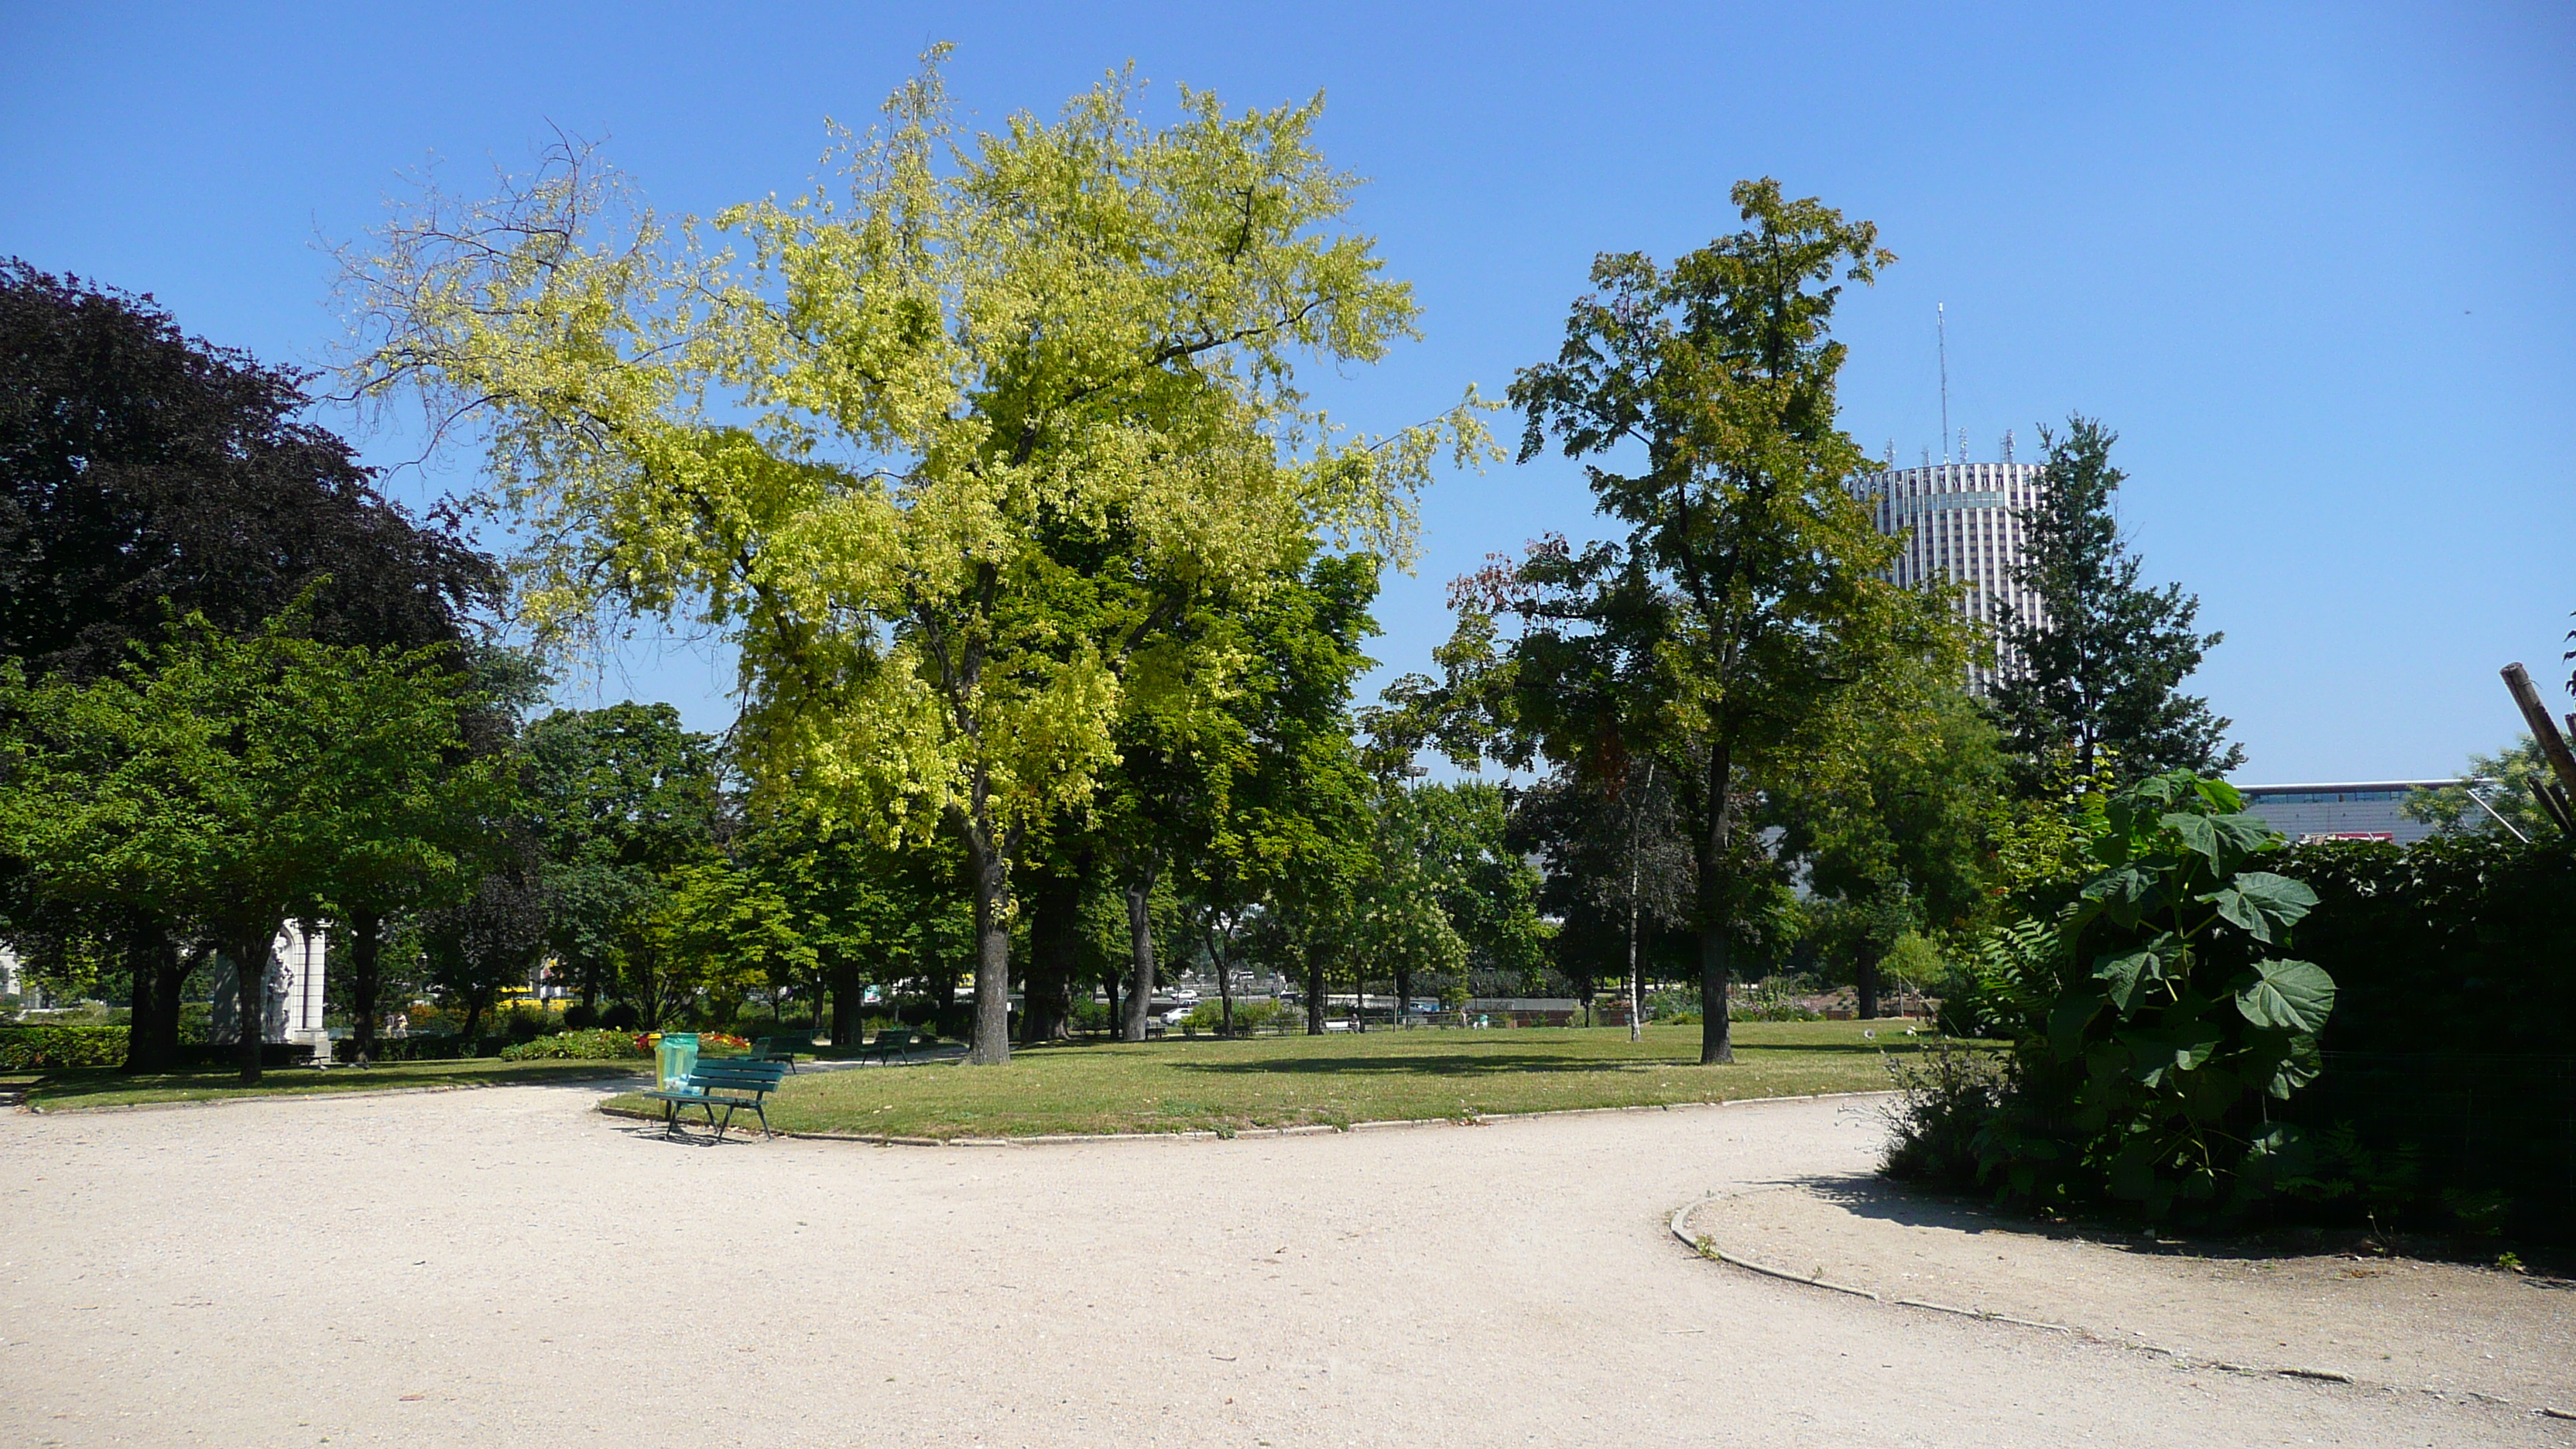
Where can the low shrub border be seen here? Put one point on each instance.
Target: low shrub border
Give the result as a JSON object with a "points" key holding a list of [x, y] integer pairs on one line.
{"points": [[49, 1048]]}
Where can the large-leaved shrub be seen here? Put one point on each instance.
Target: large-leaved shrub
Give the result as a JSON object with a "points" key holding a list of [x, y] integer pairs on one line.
{"points": [[2156, 1020]]}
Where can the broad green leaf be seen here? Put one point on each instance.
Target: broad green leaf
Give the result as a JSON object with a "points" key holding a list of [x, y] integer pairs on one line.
{"points": [[2260, 903], [2210, 1093], [2198, 836], [2245, 834], [2122, 973], [2298, 1069], [2164, 1050], [2132, 1177], [2125, 894], [2222, 797], [2293, 996], [2194, 1044]]}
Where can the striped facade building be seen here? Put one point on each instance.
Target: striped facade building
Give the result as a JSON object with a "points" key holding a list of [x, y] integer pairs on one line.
{"points": [[1961, 522]]}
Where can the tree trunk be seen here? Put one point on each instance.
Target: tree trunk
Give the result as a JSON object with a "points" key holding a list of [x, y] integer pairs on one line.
{"points": [[250, 981], [990, 875], [366, 932], [1865, 986], [1636, 977], [1403, 990], [1636, 880], [846, 994], [1055, 949], [1140, 954], [1716, 911], [473, 1019], [1314, 989], [1222, 958], [152, 1042], [647, 988]]}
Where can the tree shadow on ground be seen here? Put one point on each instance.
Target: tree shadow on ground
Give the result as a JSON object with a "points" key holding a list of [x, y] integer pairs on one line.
{"points": [[1905, 1204]]}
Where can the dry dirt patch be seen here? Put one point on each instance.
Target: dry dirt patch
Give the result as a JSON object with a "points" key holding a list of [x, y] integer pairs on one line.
{"points": [[2394, 1321]]}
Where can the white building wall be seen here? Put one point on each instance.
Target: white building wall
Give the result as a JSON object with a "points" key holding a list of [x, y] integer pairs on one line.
{"points": [[293, 1003], [1962, 522]]}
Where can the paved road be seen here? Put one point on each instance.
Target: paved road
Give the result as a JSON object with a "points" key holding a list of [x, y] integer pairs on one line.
{"points": [[508, 1268]]}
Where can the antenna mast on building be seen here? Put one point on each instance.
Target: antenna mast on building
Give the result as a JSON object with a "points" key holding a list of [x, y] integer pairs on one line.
{"points": [[1941, 324]]}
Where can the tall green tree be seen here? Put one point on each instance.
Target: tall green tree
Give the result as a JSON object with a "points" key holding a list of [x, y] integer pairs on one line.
{"points": [[620, 798], [146, 474], [718, 934], [856, 908], [2506, 803], [1617, 871], [943, 456], [493, 939], [2101, 671], [225, 784], [1723, 634], [1900, 833], [1459, 836]]}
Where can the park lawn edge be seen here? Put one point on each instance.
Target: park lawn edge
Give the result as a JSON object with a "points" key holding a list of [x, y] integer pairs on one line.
{"points": [[513, 1074], [610, 1108], [1132, 1099]]}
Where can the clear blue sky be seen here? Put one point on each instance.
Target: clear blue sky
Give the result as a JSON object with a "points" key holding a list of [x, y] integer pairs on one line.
{"points": [[2312, 263]]}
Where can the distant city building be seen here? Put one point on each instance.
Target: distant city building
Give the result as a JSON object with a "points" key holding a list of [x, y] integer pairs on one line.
{"points": [[1962, 522], [2368, 811]]}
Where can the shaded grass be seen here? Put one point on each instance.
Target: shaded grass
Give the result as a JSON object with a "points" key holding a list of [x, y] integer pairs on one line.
{"points": [[1181, 1086], [71, 1091]]}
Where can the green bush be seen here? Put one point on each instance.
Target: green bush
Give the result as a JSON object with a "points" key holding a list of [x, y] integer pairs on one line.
{"points": [[523, 1024], [596, 1045], [2152, 1020], [1093, 1016], [1256, 1015], [2448, 1080], [1945, 1096], [46, 1048]]}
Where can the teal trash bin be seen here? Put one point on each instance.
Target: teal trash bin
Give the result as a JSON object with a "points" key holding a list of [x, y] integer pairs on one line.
{"points": [[674, 1057]]}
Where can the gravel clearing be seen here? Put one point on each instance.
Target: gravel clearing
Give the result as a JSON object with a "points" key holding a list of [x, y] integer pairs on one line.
{"points": [[508, 1267]]}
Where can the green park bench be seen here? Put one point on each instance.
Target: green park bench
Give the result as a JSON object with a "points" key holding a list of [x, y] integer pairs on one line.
{"points": [[891, 1042], [783, 1048], [732, 1083]]}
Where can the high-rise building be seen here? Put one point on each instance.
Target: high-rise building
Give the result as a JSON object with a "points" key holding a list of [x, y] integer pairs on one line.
{"points": [[1962, 522]]}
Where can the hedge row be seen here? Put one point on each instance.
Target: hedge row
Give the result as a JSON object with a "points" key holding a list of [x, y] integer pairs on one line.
{"points": [[32, 1048], [2448, 1053]]}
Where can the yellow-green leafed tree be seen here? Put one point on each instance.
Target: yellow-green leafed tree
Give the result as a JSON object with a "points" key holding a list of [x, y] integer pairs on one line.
{"points": [[951, 452]]}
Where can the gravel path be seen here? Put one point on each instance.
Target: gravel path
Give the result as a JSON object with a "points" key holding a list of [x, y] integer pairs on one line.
{"points": [[2443, 1327], [509, 1268]]}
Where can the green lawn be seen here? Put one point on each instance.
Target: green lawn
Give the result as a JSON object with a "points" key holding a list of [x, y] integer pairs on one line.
{"points": [[107, 1087], [1181, 1085]]}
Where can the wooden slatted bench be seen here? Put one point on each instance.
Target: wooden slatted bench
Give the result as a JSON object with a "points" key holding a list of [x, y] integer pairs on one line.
{"points": [[731, 1083], [891, 1042]]}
